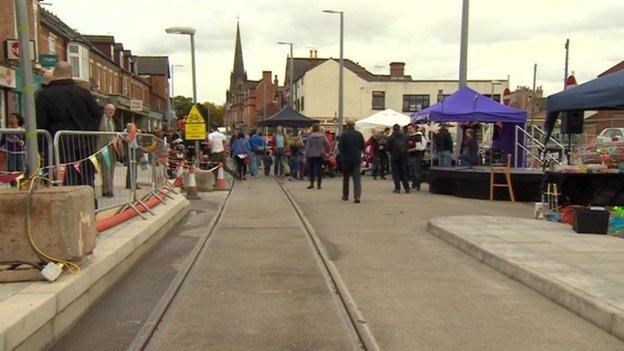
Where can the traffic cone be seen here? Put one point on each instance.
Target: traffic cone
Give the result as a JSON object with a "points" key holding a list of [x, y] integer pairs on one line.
{"points": [[191, 187], [221, 183]]}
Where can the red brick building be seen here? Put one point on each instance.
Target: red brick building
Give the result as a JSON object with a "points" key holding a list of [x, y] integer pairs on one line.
{"points": [[112, 73]]}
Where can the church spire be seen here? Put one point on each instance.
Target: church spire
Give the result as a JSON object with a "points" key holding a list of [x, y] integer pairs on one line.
{"points": [[239, 67]]}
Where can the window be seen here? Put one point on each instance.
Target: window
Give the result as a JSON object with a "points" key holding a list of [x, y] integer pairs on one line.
{"points": [[302, 104], [379, 100], [412, 103], [496, 97], [78, 55], [124, 87], [52, 43]]}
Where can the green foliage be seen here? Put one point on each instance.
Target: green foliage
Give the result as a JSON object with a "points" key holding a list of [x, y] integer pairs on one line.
{"points": [[183, 106]]}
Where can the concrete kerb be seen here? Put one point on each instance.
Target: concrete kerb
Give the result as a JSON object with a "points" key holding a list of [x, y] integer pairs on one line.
{"points": [[42, 312], [604, 315]]}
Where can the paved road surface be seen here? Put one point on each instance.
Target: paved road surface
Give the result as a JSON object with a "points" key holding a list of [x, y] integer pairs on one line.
{"points": [[418, 293], [257, 286]]}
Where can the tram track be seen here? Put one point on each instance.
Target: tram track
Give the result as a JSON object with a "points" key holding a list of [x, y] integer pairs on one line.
{"points": [[359, 335]]}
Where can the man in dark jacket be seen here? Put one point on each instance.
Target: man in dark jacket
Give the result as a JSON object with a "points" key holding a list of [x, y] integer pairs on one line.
{"points": [[63, 105], [397, 147], [350, 147]]}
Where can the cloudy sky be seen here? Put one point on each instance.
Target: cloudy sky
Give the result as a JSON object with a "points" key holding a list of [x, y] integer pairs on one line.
{"points": [[506, 37]]}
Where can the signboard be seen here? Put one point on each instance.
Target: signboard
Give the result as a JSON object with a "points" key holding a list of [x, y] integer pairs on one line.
{"points": [[506, 96], [136, 105], [7, 77], [13, 50], [195, 127], [48, 61]]}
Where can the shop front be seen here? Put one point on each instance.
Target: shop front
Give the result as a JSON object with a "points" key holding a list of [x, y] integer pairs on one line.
{"points": [[7, 84]]}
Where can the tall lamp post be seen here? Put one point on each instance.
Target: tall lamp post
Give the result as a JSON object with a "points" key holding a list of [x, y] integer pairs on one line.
{"points": [[340, 72], [173, 88], [190, 32], [291, 98]]}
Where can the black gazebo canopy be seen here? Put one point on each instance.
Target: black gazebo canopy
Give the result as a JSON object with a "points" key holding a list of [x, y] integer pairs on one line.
{"points": [[287, 117]]}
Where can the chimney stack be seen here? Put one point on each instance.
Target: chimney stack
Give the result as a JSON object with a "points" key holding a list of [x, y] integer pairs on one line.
{"points": [[397, 69], [266, 76]]}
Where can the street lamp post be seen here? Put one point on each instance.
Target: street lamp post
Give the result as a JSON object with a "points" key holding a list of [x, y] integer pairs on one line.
{"points": [[340, 72], [190, 32], [173, 88], [291, 98]]}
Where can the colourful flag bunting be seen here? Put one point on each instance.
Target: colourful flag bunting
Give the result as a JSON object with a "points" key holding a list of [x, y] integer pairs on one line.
{"points": [[106, 156], [95, 162]]}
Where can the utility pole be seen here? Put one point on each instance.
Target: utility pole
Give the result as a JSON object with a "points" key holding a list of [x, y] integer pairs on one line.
{"points": [[463, 51], [533, 94], [567, 52], [23, 34]]}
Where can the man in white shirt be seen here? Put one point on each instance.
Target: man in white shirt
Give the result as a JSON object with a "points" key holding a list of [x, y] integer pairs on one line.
{"points": [[218, 150]]}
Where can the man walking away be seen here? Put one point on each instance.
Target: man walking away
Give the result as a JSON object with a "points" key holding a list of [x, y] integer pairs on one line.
{"points": [[63, 105], [218, 149], [351, 146], [315, 153], [280, 142], [107, 166], [257, 145], [397, 146], [444, 146], [417, 143]]}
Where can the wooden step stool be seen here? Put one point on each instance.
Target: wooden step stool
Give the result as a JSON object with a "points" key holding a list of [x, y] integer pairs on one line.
{"points": [[506, 170]]}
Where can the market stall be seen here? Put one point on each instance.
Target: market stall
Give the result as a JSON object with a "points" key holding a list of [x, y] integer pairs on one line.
{"points": [[594, 176], [467, 106], [287, 117], [380, 120]]}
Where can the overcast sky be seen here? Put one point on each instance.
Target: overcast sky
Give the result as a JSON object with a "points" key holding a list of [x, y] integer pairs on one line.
{"points": [[506, 37]]}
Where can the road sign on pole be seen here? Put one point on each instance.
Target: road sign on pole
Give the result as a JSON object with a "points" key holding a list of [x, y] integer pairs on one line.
{"points": [[195, 126]]}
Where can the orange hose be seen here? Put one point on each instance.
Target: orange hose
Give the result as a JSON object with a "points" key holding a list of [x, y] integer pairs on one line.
{"points": [[109, 222]]}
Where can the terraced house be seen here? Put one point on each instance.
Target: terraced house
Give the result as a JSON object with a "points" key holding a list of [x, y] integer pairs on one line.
{"points": [[137, 85]]}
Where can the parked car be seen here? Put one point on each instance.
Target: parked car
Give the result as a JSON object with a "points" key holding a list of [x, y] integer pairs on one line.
{"points": [[610, 135]]}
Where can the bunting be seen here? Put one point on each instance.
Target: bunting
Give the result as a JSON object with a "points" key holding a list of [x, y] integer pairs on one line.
{"points": [[96, 164], [107, 157], [62, 172]]}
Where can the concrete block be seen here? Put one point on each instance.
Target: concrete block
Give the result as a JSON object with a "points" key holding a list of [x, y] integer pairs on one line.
{"points": [[204, 181], [62, 223]]}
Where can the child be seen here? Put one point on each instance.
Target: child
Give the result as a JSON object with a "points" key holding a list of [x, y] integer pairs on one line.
{"points": [[267, 160]]}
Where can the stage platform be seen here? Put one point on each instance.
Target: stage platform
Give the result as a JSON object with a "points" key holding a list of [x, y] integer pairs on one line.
{"points": [[601, 189], [474, 183]]}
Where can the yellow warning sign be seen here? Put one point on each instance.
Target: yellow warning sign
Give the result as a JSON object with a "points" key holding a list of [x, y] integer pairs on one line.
{"points": [[194, 127]]}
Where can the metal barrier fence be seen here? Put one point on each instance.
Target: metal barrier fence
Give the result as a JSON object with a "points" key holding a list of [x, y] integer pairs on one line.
{"points": [[123, 169], [13, 148]]}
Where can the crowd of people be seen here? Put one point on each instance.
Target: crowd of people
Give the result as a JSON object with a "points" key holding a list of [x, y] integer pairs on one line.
{"points": [[292, 153]]}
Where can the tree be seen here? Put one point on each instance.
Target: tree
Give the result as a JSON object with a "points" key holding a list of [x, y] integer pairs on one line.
{"points": [[216, 113], [182, 105]]}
